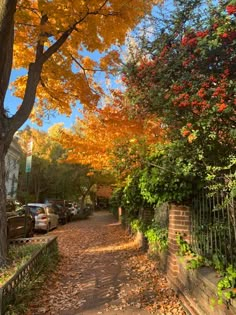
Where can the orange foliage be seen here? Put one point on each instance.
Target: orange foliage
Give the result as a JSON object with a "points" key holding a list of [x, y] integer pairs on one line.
{"points": [[67, 76], [99, 133], [42, 145]]}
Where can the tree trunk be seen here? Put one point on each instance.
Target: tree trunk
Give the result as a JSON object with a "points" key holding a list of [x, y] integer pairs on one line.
{"points": [[3, 216], [82, 202], [7, 11], [84, 196], [37, 194]]}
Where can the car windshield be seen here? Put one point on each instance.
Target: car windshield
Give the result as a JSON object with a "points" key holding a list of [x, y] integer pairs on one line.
{"points": [[22, 210], [35, 210], [57, 208]]}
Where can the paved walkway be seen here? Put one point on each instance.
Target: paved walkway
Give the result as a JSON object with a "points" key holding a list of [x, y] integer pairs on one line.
{"points": [[102, 271]]}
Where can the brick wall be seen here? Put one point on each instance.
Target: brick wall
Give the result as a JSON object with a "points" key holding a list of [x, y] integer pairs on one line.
{"points": [[146, 215], [179, 222], [196, 288]]}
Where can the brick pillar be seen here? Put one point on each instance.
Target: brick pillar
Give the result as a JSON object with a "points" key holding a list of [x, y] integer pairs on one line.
{"points": [[179, 222], [146, 216]]}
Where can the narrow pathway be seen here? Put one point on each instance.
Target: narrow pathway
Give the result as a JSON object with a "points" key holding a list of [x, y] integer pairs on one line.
{"points": [[101, 271]]}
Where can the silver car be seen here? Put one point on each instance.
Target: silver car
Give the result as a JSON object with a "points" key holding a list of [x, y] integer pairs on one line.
{"points": [[44, 215]]}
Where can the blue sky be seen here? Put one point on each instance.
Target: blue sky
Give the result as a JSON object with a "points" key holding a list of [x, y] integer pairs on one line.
{"points": [[12, 102]]}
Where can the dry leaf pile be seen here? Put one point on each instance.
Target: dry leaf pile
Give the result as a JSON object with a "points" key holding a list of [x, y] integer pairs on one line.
{"points": [[102, 271]]}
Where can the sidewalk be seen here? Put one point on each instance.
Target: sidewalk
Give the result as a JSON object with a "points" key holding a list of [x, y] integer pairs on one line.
{"points": [[103, 272]]}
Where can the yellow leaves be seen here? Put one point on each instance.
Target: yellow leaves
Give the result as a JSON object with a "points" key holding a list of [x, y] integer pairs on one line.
{"points": [[133, 140], [42, 144], [110, 60], [19, 86], [88, 63], [54, 131], [90, 173], [96, 25], [192, 137]]}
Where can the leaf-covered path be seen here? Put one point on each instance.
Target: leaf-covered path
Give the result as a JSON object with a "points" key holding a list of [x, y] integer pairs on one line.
{"points": [[102, 271]]}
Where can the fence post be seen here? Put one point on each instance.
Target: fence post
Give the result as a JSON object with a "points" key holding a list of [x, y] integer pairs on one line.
{"points": [[179, 222]]}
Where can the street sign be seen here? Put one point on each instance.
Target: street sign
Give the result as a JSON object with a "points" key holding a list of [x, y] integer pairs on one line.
{"points": [[29, 156], [28, 164]]}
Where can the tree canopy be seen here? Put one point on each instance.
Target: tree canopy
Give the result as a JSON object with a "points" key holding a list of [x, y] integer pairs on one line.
{"points": [[51, 40], [98, 138], [181, 78]]}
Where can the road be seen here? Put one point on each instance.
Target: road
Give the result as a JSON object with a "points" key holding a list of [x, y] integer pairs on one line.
{"points": [[101, 271]]}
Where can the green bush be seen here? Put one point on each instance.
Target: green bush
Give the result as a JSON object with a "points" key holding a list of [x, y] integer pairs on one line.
{"points": [[137, 226], [157, 236], [115, 201]]}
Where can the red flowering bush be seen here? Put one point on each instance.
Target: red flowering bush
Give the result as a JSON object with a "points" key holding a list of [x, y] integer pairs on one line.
{"points": [[188, 79], [231, 8]]}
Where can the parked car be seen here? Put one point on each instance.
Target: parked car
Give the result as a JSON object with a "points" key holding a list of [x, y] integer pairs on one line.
{"points": [[19, 225], [45, 216], [10, 205], [72, 207], [13, 205], [61, 212], [84, 213], [63, 204]]}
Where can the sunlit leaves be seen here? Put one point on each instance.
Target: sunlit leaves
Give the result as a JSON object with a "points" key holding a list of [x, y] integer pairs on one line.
{"points": [[104, 137], [68, 75]]}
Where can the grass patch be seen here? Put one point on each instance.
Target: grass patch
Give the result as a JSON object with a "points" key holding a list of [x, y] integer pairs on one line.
{"points": [[18, 255], [17, 303]]}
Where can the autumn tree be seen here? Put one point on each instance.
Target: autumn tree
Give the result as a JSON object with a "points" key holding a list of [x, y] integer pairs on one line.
{"points": [[51, 177], [97, 139], [48, 39], [44, 171]]}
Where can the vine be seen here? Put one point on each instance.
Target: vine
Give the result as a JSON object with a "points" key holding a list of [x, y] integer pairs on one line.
{"points": [[137, 226], [157, 236], [195, 261], [226, 286]]}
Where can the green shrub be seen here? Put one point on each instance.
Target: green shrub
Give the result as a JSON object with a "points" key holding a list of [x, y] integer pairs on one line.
{"points": [[137, 226], [157, 236]]}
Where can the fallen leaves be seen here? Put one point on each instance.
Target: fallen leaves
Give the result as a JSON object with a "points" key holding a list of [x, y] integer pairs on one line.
{"points": [[101, 267]]}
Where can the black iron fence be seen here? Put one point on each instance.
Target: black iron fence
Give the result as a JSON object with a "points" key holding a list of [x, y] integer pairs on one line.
{"points": [[213, 228]]}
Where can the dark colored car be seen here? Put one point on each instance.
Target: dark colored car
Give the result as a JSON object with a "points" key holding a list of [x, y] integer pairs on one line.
{"points": [[64, 206], [10, 206], [85, 212], [29, 212], [19, 225], [61, 212]]}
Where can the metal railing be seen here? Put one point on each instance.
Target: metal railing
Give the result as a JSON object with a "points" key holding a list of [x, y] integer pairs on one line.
{"points": [[28, 272], [213, 227]]}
